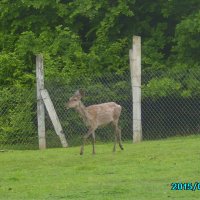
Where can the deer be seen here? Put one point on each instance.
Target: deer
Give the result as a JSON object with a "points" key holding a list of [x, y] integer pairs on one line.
{"points": [[95, 116]]}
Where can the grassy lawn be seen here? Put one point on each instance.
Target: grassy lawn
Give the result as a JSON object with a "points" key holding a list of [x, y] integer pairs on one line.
{"points": [[142, 171]]}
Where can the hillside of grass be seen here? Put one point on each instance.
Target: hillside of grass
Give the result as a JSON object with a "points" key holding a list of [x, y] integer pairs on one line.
{"points": [[142, 171]]}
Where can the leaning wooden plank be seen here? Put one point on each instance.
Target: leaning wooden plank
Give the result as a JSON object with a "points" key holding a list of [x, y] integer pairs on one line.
{"points": [[54, 117]]}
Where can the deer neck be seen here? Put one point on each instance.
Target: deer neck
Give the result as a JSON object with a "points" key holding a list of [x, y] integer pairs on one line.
{"points": [[81, 109]]}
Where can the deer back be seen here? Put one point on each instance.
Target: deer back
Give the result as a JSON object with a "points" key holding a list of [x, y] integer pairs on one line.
{"points": [[102, 114]]}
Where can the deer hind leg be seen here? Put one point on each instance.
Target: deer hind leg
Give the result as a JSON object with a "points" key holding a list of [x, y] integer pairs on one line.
{"points": [[93, 142], [117, 113], [119, 138], [90, 131], [116, 137], [115, 142]]}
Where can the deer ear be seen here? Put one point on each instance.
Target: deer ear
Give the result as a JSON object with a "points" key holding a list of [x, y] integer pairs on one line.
{"points": [[77, 93], [81, 92]]}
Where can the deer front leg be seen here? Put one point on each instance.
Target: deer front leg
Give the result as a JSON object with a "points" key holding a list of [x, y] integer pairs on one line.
{"points": [[84, 140]]}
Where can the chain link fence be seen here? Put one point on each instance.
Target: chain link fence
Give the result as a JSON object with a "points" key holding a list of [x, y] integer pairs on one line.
{"points": [[170, 104], [169, 109], [107, 88], [18, 118]]}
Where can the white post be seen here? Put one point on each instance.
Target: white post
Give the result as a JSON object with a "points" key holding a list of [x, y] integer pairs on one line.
{"points": [[40, 103], [135, 67]]}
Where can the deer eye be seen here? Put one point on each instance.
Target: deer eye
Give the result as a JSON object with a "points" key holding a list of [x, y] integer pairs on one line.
{"points": [[75, 99]]}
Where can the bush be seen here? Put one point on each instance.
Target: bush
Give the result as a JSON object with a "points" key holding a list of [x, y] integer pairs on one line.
{"points": [[18, 115]]}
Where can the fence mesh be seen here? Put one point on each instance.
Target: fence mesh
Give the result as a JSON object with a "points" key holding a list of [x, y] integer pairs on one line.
{"points": [[102, 89], [168, 109], [18, 119]]}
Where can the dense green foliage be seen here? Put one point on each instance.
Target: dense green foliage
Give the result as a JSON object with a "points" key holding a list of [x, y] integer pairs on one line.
{"points": [[17, 116], [80, 37], [142, 171]]}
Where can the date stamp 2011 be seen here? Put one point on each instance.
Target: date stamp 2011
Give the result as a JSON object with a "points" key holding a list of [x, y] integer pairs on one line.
{"points": [[185, 186]]}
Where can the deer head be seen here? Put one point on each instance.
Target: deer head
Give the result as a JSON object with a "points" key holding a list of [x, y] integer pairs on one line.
{"points": [[75, 100]]}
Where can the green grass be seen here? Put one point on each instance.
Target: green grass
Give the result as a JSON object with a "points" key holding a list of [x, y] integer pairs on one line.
{"points": [[142, 171]]}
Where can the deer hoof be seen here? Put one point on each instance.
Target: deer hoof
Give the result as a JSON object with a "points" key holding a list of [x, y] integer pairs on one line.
{"points": [[121, 147], [81, 153]]}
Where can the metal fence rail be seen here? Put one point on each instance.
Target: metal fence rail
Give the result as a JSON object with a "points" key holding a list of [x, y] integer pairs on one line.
{"points": [[165, 113]]}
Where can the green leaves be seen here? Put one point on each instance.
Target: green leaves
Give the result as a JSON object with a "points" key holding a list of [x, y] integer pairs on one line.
{"points": [[187, 39], [10, 68], [161, 87], [17, 115], [84, 37]]}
